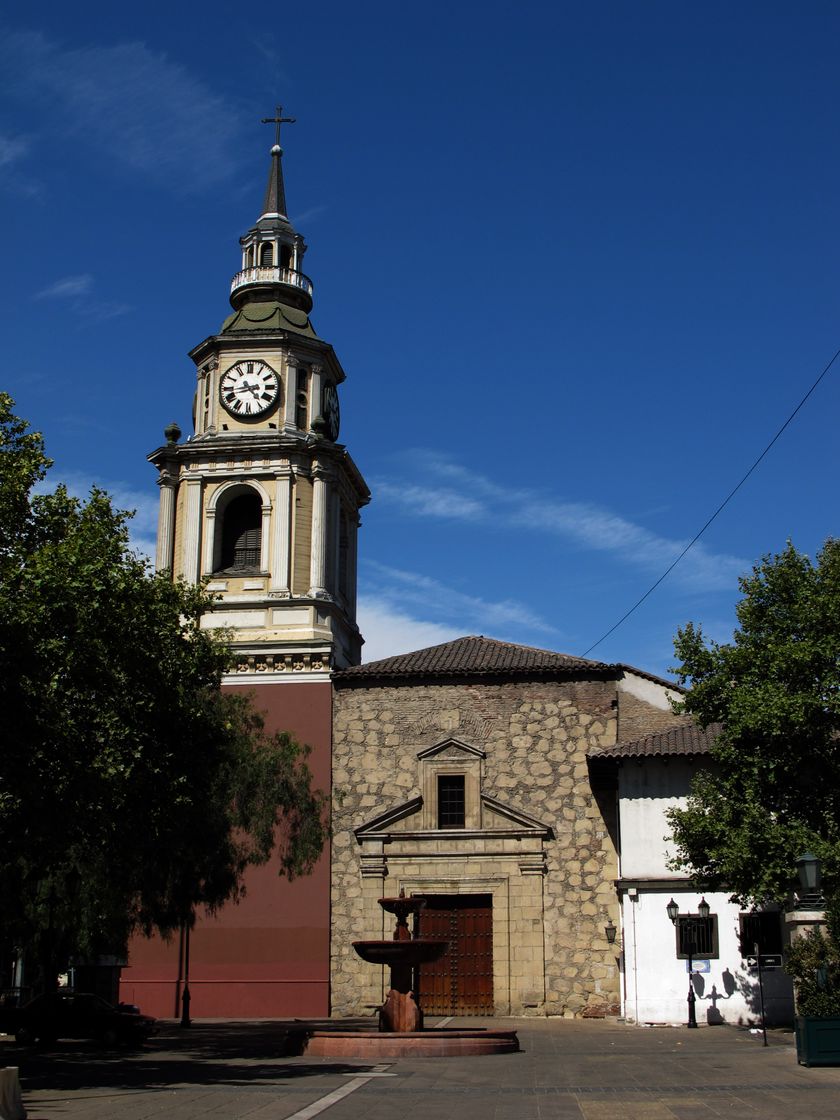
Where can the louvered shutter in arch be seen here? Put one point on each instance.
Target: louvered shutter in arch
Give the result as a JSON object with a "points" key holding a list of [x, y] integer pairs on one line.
{"points": [[241, 534]]}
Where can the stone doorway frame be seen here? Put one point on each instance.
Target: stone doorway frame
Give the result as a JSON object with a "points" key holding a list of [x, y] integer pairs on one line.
{"points": [[499, 889]]}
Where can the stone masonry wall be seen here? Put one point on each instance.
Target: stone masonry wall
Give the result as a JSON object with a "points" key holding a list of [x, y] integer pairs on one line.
{"points": [[536, 736], [638, 719]]}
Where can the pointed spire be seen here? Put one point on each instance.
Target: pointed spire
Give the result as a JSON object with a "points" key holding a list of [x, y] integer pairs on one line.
{"points": [[272, 251], [275, 194]]}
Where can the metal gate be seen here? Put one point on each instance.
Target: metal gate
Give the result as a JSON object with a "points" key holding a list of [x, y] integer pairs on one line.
{"points": [[461, 982]]}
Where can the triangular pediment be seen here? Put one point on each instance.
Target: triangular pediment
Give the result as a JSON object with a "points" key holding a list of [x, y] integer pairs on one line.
{"points": [[450, 748], [390, 820], [498, 819], [498, 815]]}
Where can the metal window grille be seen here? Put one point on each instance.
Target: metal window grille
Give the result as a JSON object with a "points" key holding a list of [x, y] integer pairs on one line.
{"points": [[451, 801], [696, 936], [764, 929]]}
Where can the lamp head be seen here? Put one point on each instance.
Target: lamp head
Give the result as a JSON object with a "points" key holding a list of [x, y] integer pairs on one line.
{"points": [[810, 873]]}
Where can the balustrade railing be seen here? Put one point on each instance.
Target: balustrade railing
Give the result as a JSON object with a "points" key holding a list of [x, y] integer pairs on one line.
{"points": [[271, 275]]}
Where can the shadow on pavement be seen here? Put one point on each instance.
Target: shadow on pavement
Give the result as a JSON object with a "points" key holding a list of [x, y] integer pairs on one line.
{"points": [[206, 1054]]}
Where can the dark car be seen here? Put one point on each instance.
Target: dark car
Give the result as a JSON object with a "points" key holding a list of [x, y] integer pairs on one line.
{"points": [[69, 1014]]}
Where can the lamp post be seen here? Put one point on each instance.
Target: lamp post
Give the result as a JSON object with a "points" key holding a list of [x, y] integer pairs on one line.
{"points": [[186, 1021], [809, 870], [689, 926]]}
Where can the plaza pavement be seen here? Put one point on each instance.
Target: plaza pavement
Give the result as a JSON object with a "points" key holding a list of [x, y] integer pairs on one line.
{"points": [[591, 1069]]}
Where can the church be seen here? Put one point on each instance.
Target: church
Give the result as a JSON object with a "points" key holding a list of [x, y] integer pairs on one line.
{"points": [[521, 792]]}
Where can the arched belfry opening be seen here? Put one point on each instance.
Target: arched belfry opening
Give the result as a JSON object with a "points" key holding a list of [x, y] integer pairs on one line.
{"points": [[239, 535]]}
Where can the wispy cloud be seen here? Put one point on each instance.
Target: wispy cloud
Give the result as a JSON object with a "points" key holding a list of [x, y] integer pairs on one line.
{"points": [[67, 288], [145, 111], [388, 631], [307, 216], [12, 149], [13, 153], [78, 291], [395, 586], [450, 491]]}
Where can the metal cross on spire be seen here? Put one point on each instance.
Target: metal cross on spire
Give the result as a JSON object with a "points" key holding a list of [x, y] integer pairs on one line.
{"points": [[277, 120]]}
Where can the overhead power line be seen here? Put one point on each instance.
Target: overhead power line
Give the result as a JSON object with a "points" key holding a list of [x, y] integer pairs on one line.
{"points": [[719, 509]]}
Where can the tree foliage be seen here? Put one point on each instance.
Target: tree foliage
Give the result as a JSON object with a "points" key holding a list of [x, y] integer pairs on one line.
{"points": [[132, 789], [774, 788], [813, 961]]}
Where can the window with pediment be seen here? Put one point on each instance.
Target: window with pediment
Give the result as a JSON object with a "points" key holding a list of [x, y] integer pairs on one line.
{"points": [[450, 777]]}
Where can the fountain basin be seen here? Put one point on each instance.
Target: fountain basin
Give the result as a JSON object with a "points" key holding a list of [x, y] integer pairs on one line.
{"points": [[420, 950], [429, 1043]]}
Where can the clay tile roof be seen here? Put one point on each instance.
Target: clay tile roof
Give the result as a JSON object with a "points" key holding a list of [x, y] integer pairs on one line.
{"points": [[475, 656], [682, 739]]}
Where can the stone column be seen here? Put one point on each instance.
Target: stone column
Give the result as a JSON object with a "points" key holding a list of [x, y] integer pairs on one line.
{"points": [[166, 524], [800, 922], [318, 558], [315, 392], [192, 530], [290, 410], [208, 564], [281, 550], [335, 535]]}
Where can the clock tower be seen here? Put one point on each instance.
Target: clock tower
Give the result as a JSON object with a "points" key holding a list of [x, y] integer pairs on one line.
{"points": [[262, 502]]}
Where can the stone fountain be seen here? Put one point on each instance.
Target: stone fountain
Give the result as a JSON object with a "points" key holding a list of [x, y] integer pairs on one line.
{"points": [[401, 1032], [401, 1012]]}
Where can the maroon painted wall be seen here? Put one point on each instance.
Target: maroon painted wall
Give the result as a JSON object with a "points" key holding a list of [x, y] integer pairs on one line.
{"points": [[268, 956]]}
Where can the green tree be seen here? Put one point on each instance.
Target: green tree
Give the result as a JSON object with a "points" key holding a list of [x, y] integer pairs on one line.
{"points": [[132, 789], [813, 961], [773, 789]]}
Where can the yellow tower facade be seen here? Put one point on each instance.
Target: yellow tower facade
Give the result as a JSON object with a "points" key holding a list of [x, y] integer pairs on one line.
{"points": [[262, 501]]}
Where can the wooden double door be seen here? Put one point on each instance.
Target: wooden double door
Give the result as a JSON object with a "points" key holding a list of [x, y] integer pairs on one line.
{"points": [[461, 982]]}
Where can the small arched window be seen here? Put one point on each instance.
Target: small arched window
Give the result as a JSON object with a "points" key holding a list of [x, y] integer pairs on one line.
{"points": [[302, 401], [241, 533], [285, 256], [266, 254]]}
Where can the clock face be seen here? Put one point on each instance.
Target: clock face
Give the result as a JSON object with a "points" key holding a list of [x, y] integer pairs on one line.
{"points": [[249, 389], [330, 411]]}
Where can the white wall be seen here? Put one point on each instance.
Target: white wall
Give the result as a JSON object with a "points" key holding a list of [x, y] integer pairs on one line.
{"points": [[656, 983], [646, 789]]}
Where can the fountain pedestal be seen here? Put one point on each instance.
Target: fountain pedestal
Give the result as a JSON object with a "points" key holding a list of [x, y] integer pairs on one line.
{"points": [[400, 1011], [401, 1032]]}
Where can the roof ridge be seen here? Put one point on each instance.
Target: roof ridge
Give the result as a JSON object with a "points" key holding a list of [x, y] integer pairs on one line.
{"points": [[475, 654]]}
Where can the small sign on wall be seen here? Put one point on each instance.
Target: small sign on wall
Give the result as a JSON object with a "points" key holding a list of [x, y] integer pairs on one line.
{"points": [[700, 966]]}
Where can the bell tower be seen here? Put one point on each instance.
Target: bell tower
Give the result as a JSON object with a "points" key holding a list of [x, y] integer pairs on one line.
{"points": [[262, 501]]}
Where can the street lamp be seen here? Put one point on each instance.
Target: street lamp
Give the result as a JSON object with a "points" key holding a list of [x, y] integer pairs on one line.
{"points": [[689, 928], [610, 931], [809, 870]]}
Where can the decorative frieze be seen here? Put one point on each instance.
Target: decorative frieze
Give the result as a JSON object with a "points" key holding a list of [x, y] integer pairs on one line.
{"points": [[268, 663]]}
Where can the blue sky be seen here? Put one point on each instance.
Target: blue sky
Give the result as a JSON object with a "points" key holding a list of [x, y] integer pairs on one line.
{"points": [[579, 262]]}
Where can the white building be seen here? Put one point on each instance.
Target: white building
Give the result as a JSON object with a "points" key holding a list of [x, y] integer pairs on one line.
{"points": [[653, 775]]}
